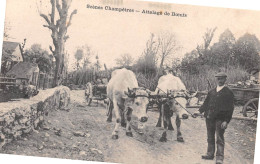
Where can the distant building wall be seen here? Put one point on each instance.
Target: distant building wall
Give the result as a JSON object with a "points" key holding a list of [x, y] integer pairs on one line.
{"points": [[17, 55]]}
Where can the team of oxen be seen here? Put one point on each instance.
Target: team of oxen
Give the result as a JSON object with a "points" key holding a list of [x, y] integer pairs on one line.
{"points": [[127, 98]]}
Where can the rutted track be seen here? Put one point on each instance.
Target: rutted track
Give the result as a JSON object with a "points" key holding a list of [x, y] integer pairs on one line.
{"points": [[98, 145]]}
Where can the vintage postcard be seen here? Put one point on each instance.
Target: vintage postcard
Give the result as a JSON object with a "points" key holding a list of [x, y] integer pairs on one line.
{"points": [[127, 81]]}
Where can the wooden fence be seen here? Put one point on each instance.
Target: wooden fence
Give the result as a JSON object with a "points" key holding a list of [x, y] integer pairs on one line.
{"points": [[45, 81]]}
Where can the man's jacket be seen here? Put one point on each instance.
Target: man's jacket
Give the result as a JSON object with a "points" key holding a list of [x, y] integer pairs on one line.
{"points": [[219, 105]]}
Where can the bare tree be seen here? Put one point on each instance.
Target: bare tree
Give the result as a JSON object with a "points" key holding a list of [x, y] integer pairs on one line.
{"points": [[125, 60], [207, 40], [168, 47], [59, 35], [97, 65], [147, 62], [152, 48]]}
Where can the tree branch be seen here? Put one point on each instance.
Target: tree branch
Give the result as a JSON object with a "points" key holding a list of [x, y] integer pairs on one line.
{"points": [[50, 47], [66, 37], [47, 26], [58, 6], [45, 18], [52, 15], [71, 15]]}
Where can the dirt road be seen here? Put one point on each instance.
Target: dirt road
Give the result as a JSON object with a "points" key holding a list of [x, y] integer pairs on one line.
{"points": [[81, 132]]}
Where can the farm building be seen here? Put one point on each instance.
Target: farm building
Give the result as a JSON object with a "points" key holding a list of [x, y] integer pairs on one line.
{"points": [[25, 72], [11, 55]]}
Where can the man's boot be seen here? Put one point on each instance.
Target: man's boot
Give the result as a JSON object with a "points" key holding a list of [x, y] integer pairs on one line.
{"points": [[220, 153], [219, 161], [210, 152]]}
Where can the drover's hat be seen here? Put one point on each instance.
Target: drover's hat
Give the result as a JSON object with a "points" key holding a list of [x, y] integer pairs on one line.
{"points": [[221, 74]]}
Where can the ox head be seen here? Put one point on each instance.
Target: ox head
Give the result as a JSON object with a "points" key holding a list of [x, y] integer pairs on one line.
{"points": [[177, 101], [137, 99]]}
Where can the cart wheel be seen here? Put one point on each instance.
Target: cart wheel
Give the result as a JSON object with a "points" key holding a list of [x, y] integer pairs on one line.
{"points": [[250, 109]]}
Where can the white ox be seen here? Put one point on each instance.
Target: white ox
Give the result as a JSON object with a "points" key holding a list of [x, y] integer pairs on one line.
{"points": [[126, 98], [176, 104]]}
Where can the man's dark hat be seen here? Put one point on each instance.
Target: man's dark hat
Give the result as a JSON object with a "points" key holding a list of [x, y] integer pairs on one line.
{"points": [[221, 74]]}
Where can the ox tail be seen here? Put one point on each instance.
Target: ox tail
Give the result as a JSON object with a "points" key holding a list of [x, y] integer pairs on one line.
{"points": [[109, 110]]}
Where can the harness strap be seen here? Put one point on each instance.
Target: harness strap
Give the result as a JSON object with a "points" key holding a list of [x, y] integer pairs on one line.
{"points": [[141, 96]]}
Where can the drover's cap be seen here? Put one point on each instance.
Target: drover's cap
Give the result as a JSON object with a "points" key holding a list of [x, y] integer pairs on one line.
{"points": [[168, 69], [221, 74]]}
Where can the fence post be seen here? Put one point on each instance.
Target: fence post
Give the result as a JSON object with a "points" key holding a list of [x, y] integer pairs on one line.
{"points": [[43, 87]]}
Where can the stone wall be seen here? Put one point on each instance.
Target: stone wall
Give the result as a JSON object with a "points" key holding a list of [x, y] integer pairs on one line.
{"points": [[18, 118]]}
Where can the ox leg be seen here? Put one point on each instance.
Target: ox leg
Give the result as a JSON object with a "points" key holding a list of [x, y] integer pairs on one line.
{"points": [[123, 122], [164, 122], [178, 124], [118, 120], [162, 118], [110, 109], [168, 114], [159, 123], [169, 122], [128, 116]]}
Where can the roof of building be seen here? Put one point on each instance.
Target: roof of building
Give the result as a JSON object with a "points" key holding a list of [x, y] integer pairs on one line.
{"points": [[10, 46], [23, 69]]}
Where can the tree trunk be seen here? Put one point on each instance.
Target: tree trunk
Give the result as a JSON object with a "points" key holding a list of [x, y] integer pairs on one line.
{"points": [[59, 30], [162, 61]]}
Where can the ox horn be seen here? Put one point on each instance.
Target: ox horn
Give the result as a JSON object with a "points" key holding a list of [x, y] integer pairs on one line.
{"points": [[148, 91], [130, 93]]}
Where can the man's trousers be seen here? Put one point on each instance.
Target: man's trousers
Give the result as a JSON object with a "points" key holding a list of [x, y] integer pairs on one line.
{"points": [[214, 127]]}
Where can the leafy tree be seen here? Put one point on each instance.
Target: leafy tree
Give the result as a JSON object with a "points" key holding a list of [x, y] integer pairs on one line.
{"points": [[227, 38], [79, 56], [189, 62], [247, 50], [222, 52], [41, 57], [125, 60]]}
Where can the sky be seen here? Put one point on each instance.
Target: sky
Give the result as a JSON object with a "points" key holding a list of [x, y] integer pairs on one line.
{"points": [[111, 34]]}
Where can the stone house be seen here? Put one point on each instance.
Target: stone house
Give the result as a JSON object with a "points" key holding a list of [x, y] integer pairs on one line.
{"points": [[25, 72], [11, 55]]}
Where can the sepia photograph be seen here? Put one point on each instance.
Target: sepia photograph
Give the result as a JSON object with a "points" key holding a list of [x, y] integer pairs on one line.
{"points": [[127, 81]]}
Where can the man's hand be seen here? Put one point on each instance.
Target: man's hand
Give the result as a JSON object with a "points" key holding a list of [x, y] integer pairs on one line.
{"points": [[196, 114], [224, 125]]}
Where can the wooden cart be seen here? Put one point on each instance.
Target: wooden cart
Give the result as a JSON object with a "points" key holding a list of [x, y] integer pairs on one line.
{"points": [[95, 92], [249, 98]]}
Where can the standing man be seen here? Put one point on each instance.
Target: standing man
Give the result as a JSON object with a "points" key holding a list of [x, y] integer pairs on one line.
{"points": [[218, 108]]}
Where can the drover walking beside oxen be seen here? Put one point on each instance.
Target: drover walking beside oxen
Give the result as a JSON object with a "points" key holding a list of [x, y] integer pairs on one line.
{"points": [[218, 108]]}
